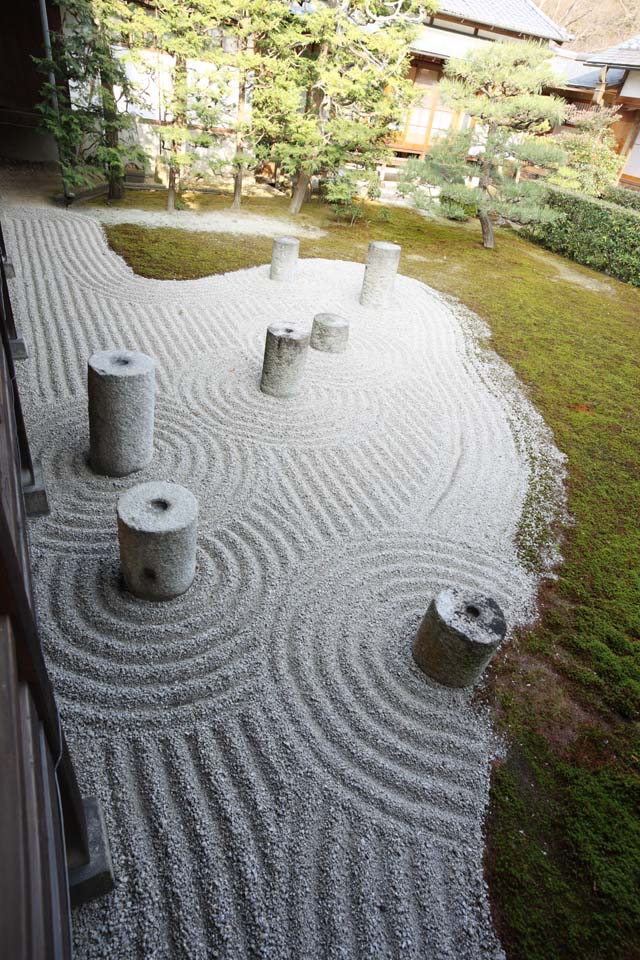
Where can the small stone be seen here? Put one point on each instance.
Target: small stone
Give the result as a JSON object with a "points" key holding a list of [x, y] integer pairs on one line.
{"points": [[121, 393], [285, 357], [158, 531], [330, 333], [458, 636], [379, 273], [284, 258]]}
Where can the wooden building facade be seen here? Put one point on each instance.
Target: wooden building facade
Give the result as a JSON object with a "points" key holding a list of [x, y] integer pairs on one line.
{"points": [[611, 77], [460, 27]]}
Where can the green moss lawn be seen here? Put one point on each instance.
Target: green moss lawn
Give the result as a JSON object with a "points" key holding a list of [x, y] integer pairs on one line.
{"points": [[563, 854]]}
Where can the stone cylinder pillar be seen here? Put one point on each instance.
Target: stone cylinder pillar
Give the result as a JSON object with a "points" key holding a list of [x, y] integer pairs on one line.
{"points": [[121, 388], [284, 258], [379, 273], [458, 636], [158, 531], [329, 333], [285, 356]]}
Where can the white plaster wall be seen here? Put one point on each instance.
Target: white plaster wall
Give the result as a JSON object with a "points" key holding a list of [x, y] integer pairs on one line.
{"points": [[446, 43], [150, 73], [632, 166], [631, 86]]}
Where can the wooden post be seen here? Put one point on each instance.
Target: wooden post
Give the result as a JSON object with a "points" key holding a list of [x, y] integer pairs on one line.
{"points": [[601, 87]]}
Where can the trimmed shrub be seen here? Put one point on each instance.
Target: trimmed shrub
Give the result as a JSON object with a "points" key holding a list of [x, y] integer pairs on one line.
{"points": [[623, 197], [593, 232]]}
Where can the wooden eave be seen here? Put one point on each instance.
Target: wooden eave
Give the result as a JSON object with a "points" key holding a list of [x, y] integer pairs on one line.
{"points": [[488, 28], [431, 58]]}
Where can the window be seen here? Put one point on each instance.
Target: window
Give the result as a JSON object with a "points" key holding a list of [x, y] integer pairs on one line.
{"points": [[419, 117]]}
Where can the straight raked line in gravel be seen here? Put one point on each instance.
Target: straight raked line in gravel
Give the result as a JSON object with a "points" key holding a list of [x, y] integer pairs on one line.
{"points": [[279, 779]]}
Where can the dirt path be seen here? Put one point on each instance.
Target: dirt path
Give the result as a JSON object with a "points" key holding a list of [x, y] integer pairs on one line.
{"points": [[222, 221]]}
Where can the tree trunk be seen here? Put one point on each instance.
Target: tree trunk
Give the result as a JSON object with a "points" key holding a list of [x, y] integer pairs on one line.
{"points": [[116, 187], [487, 231], [115, 178], [484, 182], [300, 192], [179, 108], [237, 189], [171, 195], [240, 119]]}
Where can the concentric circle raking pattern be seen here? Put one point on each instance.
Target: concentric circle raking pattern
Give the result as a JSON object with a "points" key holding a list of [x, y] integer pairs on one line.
{"points": [[342, 664], [83, 503], [229, 399], [114, 656], [278, 777]]}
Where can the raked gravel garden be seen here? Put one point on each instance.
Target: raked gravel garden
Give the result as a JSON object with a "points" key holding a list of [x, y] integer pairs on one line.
{"points": [[279, 778]]}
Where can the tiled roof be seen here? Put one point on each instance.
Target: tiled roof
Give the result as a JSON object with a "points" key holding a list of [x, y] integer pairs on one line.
{"points": [[625, 54], [518, 16], [575, 73]]}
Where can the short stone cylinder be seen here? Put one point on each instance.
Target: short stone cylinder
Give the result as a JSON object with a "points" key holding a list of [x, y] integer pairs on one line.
{"points": [[284, 258], [458, 636], [379, 273], [158, 532], [121, 389], [329, 333], [285, 356]]}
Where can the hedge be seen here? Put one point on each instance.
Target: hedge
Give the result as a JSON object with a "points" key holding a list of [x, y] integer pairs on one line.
{"points": [[593, 232], [623, 197]]}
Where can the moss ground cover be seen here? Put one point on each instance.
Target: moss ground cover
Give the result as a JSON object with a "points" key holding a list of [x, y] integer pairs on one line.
{"points": [[563, 854]]}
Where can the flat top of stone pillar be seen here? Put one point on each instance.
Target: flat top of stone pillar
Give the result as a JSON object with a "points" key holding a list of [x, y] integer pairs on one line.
{"points": [[121, 363], [279, 329], [157, 507], [479, 618], [384, 245], [287, 241], [331, 320]]}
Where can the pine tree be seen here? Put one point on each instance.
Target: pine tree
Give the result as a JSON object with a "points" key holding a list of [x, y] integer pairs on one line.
{"points": [[478, 171], [250, 29], [87, 96], [185, 31], [592, 161], [333, 85]]}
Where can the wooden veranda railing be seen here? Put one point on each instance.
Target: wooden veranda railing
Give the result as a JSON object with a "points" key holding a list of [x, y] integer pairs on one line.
{"points": [[52, 847]]}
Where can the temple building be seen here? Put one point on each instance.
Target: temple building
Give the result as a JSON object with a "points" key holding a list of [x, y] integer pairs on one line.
{"points": [[459, 27]]}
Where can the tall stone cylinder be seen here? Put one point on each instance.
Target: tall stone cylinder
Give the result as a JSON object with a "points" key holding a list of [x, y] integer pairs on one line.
{"points": [[284, 258], [121, 389], [285, 356], [458, 635], [379, 273], [158, 533], [329, 333]]}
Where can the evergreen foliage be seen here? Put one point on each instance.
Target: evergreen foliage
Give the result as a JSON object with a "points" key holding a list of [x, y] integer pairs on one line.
{"points": [[623, 197], [312, 88], [333, 87], [253, 32], [593, 232], [193, 104], [592, 163], [477, 171], [345, 192], [87, 96]]}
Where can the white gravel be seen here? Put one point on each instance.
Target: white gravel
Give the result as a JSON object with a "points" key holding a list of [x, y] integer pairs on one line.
{"points": [[279, 779], [222, 221]]}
